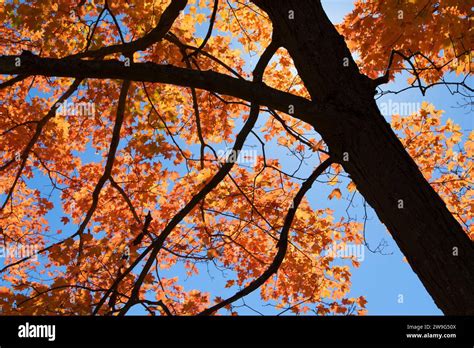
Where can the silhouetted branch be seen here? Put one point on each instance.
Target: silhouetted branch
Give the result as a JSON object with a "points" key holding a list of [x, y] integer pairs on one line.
{"points": [[282, 243]]}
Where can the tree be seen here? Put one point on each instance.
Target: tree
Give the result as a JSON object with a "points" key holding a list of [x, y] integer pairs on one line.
{"points": [[164, 191]]}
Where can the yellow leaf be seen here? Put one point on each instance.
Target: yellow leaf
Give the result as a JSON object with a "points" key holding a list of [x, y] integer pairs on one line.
{"points": [[200, 18]]}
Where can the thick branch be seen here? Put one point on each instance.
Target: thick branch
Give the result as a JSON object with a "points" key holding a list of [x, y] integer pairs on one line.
{"points": [[259, 92]]}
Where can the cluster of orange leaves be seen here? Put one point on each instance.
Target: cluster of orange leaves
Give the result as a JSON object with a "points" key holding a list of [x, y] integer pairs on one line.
{"points": [[429, 27]]}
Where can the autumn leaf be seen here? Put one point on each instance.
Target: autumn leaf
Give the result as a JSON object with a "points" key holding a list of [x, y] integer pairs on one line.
{"points": [[336, 193]]}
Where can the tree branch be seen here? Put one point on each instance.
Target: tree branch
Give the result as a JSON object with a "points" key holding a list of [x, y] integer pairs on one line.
{"points": [[164, 25], [218, 177], [282, 243], [258, 92], [109, 164], [39, 129], [208, 34]]}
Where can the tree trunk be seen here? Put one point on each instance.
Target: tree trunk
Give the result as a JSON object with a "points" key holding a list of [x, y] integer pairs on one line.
{"points": [[360, 139]]}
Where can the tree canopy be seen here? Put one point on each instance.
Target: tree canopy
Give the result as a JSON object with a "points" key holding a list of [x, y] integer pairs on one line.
{"points": [[129, 122]]}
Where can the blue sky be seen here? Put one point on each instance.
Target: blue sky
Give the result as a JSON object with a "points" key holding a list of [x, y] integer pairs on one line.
{"points": [[382, 279]]}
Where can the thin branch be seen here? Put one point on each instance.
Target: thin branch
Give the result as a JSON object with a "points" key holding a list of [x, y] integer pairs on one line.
{"points": [[167, 19], [208, 34], [12, 81], [218, 177], [282, 243], [109, 163], [39, 129]]}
